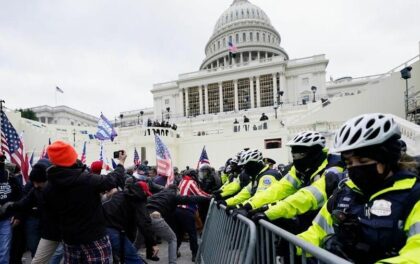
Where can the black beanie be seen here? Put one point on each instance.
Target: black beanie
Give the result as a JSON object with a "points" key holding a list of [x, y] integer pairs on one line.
{"points": [[39, 171]]}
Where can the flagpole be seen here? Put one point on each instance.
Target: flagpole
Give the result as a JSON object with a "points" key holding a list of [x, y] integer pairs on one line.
{"points": [[55, 93]]}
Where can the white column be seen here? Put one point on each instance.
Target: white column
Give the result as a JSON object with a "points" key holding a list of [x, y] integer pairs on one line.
{"points": [[235, 84], [275, 89], [206, 99], [242, 57], [266, 54], [258, 92], [187, 105], [224, 60], [181, 105], [283, 85], [250, 56], [251, 91], [220, 98], [217, 63], [258, 55], [200, 98]]}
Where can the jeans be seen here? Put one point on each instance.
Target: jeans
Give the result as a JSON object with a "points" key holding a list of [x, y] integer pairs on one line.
{"points": [[32, 234], [130, 252], [58, 255], [5, 240], [162, 230]]}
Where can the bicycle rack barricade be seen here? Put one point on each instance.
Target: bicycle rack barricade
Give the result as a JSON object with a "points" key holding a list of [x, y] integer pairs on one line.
{"points": [[269, 236], [226, 240]]}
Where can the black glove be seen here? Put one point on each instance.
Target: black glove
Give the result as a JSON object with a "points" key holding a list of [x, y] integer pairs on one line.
{"points": [[230, 208], [217, 196], [258, 216], [239, 211], [220, 202], [259, 210], [5, 207]]}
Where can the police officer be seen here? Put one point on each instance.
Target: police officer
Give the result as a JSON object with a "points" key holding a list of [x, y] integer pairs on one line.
{"points": [[375, 215], [237, 179], [304, 190], [262, 177]]}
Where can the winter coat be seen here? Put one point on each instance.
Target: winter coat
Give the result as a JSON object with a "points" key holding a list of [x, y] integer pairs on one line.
{"points": [[76, 199]]}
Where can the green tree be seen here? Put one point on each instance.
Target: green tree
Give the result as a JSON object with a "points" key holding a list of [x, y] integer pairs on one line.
{"points": [[28, 114]]}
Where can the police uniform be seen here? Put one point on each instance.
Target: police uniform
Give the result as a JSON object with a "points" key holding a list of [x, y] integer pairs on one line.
{"points": [[383, 228], [265, 178], [292, 196]]}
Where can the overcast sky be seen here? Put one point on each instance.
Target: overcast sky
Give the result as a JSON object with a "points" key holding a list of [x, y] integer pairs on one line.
{"points": [[106, 55]]}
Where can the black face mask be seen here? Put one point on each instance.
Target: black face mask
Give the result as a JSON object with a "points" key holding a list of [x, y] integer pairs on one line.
{"points": [[252, 169], [306, 161], [367, 178]]}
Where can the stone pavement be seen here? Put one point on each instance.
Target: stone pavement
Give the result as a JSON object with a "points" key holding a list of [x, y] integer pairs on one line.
{"points": [[163, 255]]}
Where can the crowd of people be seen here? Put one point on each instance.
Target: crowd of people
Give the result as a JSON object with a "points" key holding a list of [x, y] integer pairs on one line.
{"points": [[359, 200], [163, 123], [72, 213]]}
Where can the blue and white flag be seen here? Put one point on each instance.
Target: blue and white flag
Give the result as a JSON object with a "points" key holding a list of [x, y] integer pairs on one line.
{"points": [[105, 129]]}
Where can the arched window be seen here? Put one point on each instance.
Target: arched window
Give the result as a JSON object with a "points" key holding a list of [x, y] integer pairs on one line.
{"points": [[218, 44], [264, 37], [269, 38], [224, 42], [236, 13], [237, 38], [247, 12], [251, 37], [258, 36], [244, 37], [242, 13]]}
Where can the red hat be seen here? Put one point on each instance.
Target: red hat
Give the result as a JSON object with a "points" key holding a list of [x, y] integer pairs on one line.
{"points": [[62, 154], [145, 187], [96, 167]]}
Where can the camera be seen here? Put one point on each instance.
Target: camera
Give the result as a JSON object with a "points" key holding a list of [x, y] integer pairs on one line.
{"points": [[117, 153]]}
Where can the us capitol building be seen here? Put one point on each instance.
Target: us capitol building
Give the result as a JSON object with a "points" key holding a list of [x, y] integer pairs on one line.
{"points": [[260, 78]]}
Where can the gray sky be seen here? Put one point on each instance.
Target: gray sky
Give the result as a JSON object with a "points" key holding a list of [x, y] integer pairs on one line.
{"points": [[106, 55]]}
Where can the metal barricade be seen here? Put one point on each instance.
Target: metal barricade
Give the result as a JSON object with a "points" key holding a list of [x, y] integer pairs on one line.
{"points": [[226, 240], [269, 237]]}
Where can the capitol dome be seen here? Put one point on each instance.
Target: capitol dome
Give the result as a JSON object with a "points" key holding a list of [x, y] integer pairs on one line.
{"points": [[249, 28]]}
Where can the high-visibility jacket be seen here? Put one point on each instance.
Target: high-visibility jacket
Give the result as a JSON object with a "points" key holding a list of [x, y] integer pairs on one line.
{"points": [[388, 222], [234, 185], [224, 177], [290, 197], [265, 178]]}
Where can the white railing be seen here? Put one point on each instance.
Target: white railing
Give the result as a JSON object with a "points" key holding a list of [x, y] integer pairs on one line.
{"points": [[410, 133]]}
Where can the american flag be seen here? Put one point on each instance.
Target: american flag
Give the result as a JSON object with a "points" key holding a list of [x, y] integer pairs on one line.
{"points": [[204, 159], [83, 157], [232, 50], [12, 145], [44, 153], [163, 161], [136, 157]]}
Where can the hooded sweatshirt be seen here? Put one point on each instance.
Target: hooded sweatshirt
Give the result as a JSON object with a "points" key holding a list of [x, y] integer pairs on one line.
{"points": [[76, 199]]}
